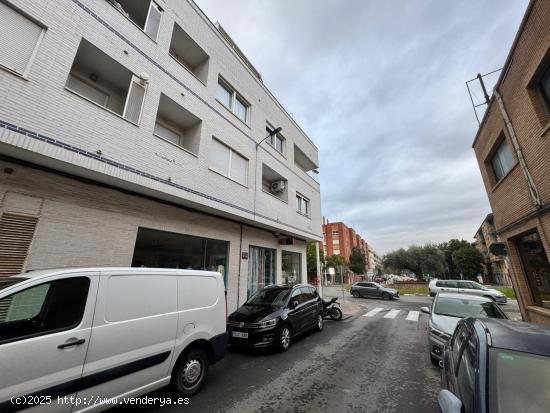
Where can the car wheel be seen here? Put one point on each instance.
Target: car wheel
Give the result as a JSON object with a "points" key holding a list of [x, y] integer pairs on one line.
{"points": [[319, 323], [335, 314], [434, 361], [355, 294], [190, 372], [284, 337], [386, 296]]}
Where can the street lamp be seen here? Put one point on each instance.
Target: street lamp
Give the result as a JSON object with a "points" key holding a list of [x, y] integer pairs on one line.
{"points": [[269, 135]]}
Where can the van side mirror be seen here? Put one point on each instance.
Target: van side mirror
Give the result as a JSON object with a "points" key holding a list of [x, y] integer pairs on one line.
{"points": [[425, 310], [448, 402], [293, 304]]}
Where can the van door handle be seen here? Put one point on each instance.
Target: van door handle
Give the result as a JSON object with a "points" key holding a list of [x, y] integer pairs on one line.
{"points": [[71, 343]]}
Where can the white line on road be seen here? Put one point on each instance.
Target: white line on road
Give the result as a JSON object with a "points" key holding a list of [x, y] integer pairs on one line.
{"points": [[413, 315], [373, 312], [392, 314]]}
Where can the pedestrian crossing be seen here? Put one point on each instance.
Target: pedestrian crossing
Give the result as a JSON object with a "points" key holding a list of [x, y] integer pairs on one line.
{"points": [[411, 315]]}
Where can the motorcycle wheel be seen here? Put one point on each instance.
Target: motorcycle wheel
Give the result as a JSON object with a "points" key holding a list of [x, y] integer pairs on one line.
{"points": [[335, 314]]}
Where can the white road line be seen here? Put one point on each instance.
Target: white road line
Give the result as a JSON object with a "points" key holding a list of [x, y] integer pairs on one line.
{"points": [[392, 314], [373, 312], [413, 315]]}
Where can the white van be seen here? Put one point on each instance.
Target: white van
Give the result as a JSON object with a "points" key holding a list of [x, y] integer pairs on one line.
{"points": [[104, 334]]}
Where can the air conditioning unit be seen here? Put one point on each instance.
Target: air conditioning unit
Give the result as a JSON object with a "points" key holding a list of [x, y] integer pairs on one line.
{"points": [[277, 187]]}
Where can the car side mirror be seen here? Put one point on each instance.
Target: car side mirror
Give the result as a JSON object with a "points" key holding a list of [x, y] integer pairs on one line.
{"points": [[448, 402], [293, 304], [425, 310]]}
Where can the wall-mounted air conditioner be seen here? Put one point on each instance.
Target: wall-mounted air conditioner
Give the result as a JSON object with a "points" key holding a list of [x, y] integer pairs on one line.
{"points": [[278, 186]]}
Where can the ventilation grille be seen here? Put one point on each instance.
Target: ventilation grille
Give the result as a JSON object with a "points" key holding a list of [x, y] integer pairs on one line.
{"points": [[16, 232]]}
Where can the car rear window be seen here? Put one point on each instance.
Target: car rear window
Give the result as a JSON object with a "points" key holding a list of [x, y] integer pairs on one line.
{"points": [[464, 307], [9, 281]]}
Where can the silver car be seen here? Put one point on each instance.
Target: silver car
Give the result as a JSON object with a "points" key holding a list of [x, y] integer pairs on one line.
{"points": [[466, 287], [447, 310]]}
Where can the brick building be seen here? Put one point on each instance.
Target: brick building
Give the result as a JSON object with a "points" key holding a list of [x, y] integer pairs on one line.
{"points": [[512, 147], [495, 266], [136, 133]]}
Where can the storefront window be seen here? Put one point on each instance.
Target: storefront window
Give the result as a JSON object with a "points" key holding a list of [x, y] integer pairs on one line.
{"points": [[160, 249], [291, 267], [536, 267], [261, 269]]}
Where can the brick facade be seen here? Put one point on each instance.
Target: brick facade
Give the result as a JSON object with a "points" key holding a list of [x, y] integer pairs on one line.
{"points": [[517, 210]]}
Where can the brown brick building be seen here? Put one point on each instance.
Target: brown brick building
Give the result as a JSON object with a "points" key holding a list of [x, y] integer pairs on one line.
{"points": [[512, 147], [495, 266]]}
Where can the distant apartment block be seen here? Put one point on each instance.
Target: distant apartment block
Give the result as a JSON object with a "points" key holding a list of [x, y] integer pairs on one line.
{"points": [[495, 266], [137, 133], [513, 151]]}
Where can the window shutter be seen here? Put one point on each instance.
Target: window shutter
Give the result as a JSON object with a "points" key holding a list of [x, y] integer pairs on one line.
{"points": [[134, 101], [19, 37], [219, 157], [16, 233], [153, 21], [239, 168], [86, 90], [167, 134]]}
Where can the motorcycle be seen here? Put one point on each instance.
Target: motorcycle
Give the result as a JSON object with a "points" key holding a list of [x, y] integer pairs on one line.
{"points": [[332, 309]]}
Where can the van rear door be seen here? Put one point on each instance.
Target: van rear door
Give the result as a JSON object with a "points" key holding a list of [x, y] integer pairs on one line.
{"points": [[45, 329], [132, 336]]}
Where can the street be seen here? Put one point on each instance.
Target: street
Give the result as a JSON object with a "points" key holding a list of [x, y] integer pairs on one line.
{"points": [[361, 364]]}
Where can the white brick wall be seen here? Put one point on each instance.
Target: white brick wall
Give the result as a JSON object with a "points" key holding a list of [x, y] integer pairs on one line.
{"points": [[41, 104]]}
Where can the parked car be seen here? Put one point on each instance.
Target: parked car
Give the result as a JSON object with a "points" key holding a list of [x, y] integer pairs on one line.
{"points": [[274, 315], [493, 365], [107, 332], [466, 287], [445, 313], [374, 290]]}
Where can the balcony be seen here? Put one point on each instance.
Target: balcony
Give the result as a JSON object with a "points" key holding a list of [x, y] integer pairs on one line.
{"points": [[189, 54]]}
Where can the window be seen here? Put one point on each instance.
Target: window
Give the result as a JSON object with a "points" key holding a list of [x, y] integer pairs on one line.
{"points": [[336, 252], [19, 40], [232, 100], [291, 267], [100, 79], [502, 160], [277, 140], [460, 335], [536, 268], [545, 85], [466, 375], [189, 54], [335, 241], [334, 232], [177, 125], [274, 183], [227, 162], [42, 309], [261, 268], [302, 205], [145, 14]]}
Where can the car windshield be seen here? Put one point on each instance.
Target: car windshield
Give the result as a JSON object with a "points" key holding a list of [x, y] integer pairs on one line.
{"points": [[9, 281], [511, 392], [464, 307], [276, 297]]}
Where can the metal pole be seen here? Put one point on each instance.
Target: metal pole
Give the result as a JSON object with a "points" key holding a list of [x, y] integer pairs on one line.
{"points": [[319, 273]]}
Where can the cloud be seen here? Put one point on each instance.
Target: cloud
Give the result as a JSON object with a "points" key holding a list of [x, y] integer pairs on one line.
{"points": [[379, 86]]}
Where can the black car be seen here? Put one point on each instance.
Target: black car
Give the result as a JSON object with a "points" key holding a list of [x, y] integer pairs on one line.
{"points": [[498, 366], [372, 289], [274, 315]]}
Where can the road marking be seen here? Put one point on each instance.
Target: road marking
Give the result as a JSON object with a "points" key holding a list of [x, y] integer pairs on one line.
{"points": [[413, 315], [373, 312], [392, 314]]}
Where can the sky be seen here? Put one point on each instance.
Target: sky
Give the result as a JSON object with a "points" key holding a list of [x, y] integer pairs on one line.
{"points": [[379, 86]]}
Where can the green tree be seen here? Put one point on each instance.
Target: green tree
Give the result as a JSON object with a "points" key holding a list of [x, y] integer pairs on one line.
{"points": [[468, 262], [396, 261], [311, 258], [448, 249], [334, 261], [357, 261]]}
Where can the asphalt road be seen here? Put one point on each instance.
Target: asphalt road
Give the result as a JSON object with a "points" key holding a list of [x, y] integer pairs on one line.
{"points": [[360, 364]]}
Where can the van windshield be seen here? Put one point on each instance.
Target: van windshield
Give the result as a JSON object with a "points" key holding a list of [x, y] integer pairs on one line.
{"points": [[9, 281], [276, 297]]}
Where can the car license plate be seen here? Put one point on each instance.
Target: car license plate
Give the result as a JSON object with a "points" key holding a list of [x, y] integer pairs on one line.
{"points": [[238, 334]]}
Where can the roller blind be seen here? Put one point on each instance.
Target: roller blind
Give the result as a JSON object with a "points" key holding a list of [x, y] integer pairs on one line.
{"points": [[134, 101], [167, 134], [16, 234], [19, 37], [219, 157], [153, 21], [86, 90], [239, 168]]}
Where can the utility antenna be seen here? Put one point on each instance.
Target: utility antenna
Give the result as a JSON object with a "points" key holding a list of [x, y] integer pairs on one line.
{"points": [[487, 99]]}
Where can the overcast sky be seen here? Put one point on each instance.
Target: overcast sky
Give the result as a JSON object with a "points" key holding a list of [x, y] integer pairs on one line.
{"points": [[379, 87]]}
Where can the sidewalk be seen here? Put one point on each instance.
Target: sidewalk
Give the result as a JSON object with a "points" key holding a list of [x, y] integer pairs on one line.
{"points": [[349, 307]]}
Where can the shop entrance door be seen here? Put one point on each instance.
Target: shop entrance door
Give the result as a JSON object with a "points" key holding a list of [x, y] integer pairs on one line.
{"points": [[536, 267]]}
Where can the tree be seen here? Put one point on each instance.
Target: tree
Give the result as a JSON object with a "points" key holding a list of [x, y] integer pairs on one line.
{"points": [[357, 261], [468, 262], [311, 258], [334, 261], [422, 260], [448, 249], [396, 261]]}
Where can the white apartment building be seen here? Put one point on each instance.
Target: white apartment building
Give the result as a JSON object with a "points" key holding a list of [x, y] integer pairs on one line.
{"points": [[136, 133]]}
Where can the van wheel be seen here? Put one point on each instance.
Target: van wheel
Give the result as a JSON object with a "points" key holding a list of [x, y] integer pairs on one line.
{"points": [[190, 372], [319, 323], [283, 338]]}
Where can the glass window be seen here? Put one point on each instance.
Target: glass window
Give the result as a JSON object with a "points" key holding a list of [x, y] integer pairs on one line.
{"points": [[240, 109], [465, 307], [273, 297], [279, 143], [536, 267], [502, 161], [334, 232], [49, 307], [510, 392], [466, 376], [261, 268], [224, 95], [303, 205], [459, 337], [291, 267], [307, 293]]}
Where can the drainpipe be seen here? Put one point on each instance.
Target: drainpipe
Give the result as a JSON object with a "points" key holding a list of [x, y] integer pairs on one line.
{"points": [[530, 183], [319, 275]]}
